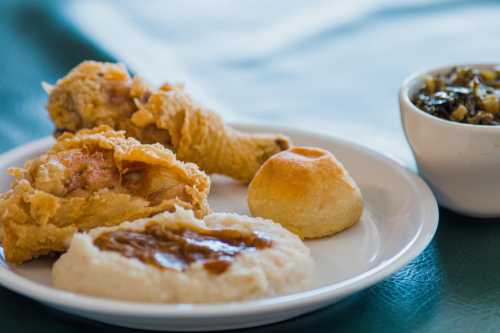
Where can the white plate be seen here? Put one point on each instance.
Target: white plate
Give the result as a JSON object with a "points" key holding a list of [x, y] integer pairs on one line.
{"points": [[399, 221]]}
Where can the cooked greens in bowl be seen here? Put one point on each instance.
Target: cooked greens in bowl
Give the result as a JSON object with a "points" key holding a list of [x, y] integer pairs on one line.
{"points": [[463, 94]]}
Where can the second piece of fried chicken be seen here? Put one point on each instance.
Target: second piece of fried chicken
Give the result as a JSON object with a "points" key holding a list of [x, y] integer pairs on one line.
{"points": [[90, 179], [96, 93]]}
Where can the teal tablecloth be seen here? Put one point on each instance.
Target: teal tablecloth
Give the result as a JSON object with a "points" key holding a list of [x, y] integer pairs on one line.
{"points": [[320, 65]]}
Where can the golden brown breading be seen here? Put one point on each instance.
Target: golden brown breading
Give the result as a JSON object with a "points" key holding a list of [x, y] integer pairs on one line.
{"points": [[96, 93], [93, 178]]}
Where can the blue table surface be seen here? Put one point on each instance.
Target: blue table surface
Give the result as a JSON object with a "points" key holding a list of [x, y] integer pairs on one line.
{"points": [[325, 66]]}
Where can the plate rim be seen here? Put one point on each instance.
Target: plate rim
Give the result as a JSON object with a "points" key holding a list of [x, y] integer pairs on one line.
{"points": [[310, 298]]}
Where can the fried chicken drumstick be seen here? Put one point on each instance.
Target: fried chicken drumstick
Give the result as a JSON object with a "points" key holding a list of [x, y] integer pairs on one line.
{"points": [[91, 179], [96, 93]]}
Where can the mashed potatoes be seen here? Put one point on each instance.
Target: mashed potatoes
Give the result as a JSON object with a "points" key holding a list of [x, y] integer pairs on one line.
{"points": [[260, 259]]}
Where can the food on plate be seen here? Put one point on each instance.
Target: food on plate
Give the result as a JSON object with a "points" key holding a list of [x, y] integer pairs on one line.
{"points": [[96, 93], [174, 257], [464, 94], [93, 178], [307, 191]]}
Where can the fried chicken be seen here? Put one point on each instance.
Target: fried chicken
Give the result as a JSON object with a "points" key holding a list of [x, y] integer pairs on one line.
{"points": [[96, 93], [89, 179]]}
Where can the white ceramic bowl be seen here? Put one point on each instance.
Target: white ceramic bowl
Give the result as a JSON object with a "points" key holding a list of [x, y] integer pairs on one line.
{"points": [[398, 222], [461, 162]]}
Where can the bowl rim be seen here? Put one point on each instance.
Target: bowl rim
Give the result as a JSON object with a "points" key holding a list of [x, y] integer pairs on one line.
{"points": [[413, 79]]}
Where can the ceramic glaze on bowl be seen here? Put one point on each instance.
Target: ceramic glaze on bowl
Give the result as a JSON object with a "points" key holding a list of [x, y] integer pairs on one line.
{"points": [[461, 162]]}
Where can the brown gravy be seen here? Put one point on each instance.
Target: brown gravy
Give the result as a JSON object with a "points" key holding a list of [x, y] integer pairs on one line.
{"points": [[176, 249]]}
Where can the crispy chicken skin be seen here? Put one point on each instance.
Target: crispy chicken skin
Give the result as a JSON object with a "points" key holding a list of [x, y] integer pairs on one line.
{"points": [[90, 179], [96, 93]]}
